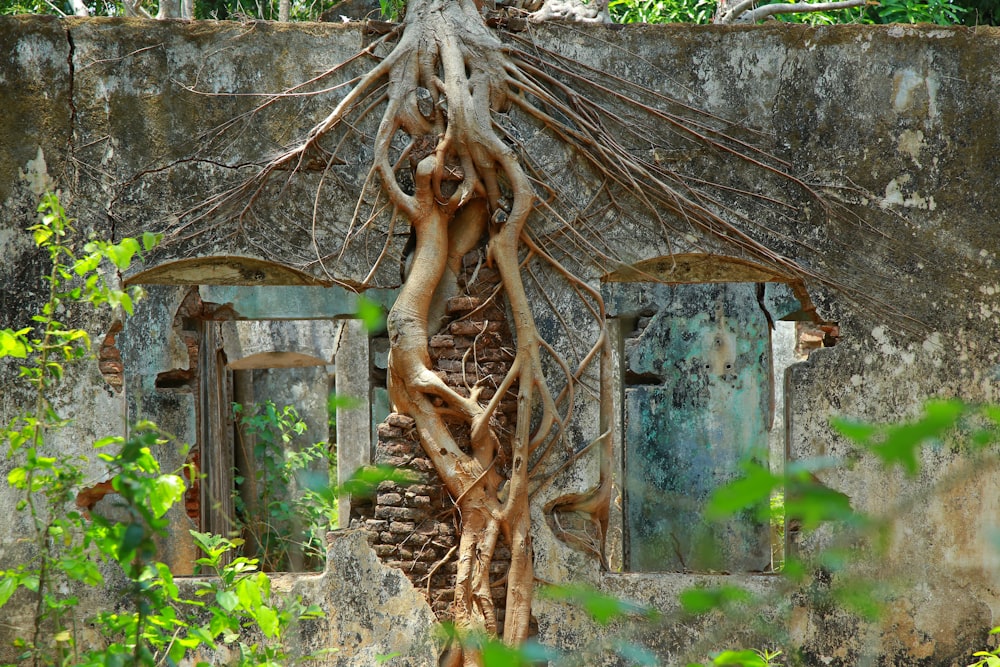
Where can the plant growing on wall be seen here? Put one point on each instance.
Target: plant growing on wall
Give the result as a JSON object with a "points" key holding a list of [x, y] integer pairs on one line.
{"points": [[449, 162], [288, 518], [74, 551]]}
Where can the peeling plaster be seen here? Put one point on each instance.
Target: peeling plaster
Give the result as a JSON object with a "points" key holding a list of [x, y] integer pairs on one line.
{"points": [[911, 142], [36, 173], [894, 196]]}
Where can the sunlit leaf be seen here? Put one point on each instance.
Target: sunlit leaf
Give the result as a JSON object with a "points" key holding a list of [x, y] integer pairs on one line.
{"points": [[151, 240], [11, 345], [126, 302], [371, 314], [167, 490], [17, 477], [364, 482], [703, 600], [8, 585], [267, 619], [109, 440], [121, 254], [248, 593], [227, 600], [336, 401], [86, 264], [751, 490], [743, 658]]}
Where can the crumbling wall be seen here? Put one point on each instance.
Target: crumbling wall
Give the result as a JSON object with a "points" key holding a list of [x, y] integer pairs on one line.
{"points": [[897, 125], [415, 527]]}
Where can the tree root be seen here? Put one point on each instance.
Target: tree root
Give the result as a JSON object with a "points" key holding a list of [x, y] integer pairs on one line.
{"points": [[442, 89]]}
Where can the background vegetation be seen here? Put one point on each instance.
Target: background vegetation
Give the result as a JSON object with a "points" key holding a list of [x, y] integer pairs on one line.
{"points": [[940, 12]]}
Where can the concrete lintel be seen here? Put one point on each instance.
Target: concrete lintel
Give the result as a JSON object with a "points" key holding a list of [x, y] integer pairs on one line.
{"points": [[292, 302]]}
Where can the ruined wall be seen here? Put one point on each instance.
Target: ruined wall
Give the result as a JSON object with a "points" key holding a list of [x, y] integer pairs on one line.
{"points": [[416, 527], [898, 125]]}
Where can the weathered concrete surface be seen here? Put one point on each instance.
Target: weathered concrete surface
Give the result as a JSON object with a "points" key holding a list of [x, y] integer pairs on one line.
{"points": [[374, 615], [897, 124]]}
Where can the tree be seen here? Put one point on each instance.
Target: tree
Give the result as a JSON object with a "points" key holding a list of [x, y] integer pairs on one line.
{"points": [[448, 162]]}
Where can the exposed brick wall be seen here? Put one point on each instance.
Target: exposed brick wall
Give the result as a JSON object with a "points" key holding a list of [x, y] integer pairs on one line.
{"points": [[416, 528], [109, 359]]}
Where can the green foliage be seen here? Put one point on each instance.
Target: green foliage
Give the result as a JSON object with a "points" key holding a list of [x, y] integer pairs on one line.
{"points": [[940, 12], [798, 495], [239, 597], [364, 482], [371, 314], [900, 444], [600, 607], [743, 658], [72, 551], [662, 11], [987, 658], [392, 10], [294, 502], [263, 10], [704, 599]]}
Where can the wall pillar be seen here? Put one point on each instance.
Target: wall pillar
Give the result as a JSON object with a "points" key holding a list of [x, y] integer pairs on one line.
{"points": [[353, 379]]}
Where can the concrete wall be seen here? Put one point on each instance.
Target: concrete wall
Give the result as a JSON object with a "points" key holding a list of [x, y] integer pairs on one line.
{"points": [[897, 125]]}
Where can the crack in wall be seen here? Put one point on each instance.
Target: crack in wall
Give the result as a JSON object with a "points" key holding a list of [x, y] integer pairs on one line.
{"points": [[71, 67]]}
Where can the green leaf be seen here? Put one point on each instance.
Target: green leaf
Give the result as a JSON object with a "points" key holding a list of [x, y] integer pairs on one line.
{"points": [[901, 443], [130, 541], [7, 587], [601, 607], [121, 254], [371, 314], [203, 635], [858, 431], [703, 600], [227, 600], [751, 490], [267, 619], [248, 593], [17, 477], [813, 503], [498, 654], [744, 658], [151, 240], [126, 302], [87, 264], [11, 345], [336, 401], [167, 490], [109, 440], [365, 481]]}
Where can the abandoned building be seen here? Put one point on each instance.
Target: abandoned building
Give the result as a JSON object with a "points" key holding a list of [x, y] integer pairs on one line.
{"points": [[138, 123]]}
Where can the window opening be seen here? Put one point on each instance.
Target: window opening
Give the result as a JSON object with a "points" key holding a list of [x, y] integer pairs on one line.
{"points": [[244, 344], [284, 465], [697, 400]]}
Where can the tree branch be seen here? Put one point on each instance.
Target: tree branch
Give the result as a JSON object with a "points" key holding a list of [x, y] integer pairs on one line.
{"points": [[742, 13]]}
